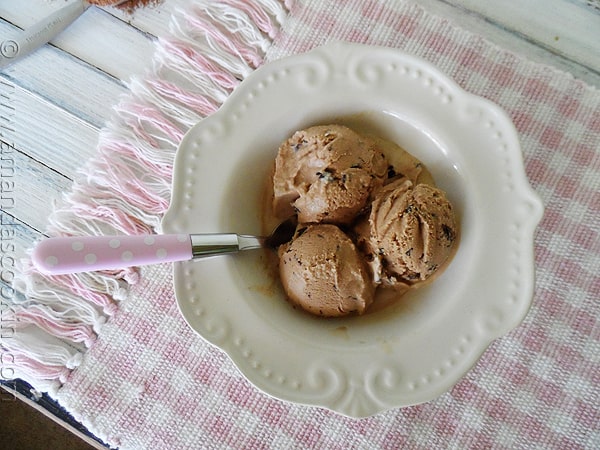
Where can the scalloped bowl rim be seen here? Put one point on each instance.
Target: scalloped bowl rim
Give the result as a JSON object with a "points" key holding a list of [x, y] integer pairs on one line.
{"points": [[408, 354]]}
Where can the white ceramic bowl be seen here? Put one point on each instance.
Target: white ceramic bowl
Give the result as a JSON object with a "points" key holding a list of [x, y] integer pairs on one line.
{"points": [[407, 353]]}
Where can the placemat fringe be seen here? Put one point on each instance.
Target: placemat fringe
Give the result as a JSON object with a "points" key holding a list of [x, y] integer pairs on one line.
{"points": [[125, 189]]}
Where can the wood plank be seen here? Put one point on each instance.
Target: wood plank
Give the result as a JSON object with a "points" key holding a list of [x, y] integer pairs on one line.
{"points": [[30, 11], [457, 12], [153, 18], [48, 134], [99, 38], [32, 190], [569, 29], [68, 83], [111, 39], [108, 44]]}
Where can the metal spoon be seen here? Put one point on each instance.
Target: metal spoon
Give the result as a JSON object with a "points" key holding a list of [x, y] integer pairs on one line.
{"points": [[59, 256], [24, 42]]}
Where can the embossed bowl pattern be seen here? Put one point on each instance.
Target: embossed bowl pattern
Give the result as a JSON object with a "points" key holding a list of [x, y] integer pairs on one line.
{"points": [[416, 349]]}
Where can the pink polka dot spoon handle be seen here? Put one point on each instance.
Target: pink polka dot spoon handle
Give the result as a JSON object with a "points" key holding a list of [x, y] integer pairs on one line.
{"points": [[57, 256]]}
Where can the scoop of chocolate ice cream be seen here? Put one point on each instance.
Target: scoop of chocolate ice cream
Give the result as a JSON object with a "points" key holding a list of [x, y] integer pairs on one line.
{"points": [[412, 230], [322, 271], [326, 174]]}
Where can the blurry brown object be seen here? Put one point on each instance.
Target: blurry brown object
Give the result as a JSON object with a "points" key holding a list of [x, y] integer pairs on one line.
{"points": [[128, 6]]}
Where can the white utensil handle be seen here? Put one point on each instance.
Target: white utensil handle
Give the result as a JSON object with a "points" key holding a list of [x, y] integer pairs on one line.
{"points": [[58, 256], [32, 38]]}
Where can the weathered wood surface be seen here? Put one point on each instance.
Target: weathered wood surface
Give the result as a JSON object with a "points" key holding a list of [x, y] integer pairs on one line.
{"points": [[54, 102]]}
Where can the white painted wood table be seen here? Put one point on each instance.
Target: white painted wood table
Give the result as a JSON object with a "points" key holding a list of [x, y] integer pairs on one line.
{"points": [[54, 102]]}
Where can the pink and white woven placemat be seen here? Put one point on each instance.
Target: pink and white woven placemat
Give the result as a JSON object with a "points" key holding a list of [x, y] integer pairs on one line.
{"points": [[115, 352]]}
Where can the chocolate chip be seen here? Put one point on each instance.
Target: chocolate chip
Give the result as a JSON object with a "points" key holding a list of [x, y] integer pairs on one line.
{"points": [[448, 232], [326, 174]]}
